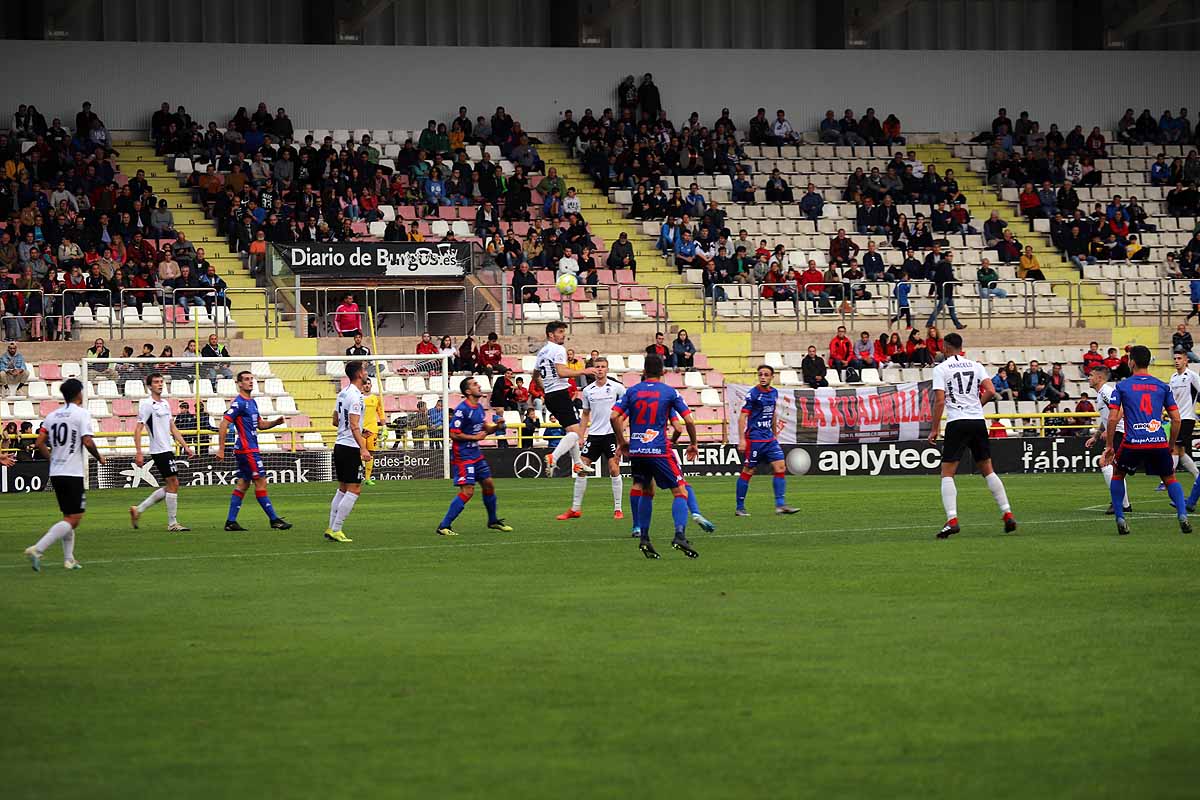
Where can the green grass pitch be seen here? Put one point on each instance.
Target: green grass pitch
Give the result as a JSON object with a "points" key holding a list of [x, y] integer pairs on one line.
{"points": [[842, 652]]}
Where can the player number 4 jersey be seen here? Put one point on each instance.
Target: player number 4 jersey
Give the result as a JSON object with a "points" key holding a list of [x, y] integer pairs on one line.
{"points": [[960, 378], [760, 408], [599, 401], [1142, 400], [547, 357], [349, 401]]}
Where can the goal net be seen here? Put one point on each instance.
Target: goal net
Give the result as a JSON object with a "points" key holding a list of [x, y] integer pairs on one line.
{"points": [[295, 396]]}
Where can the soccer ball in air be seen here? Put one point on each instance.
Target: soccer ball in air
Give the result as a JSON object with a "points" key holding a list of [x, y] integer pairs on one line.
{"points": [[567, 283]]}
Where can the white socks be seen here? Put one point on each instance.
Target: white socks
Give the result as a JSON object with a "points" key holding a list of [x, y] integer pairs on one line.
{"points": [[333, 508], [172, 507], [950, 498], [69, 545], [59, 530], [996, 486], [1107, 472], [344, 509], [1187, 463], [617, 492], [155, 496], [580, 488], [568, 443]]}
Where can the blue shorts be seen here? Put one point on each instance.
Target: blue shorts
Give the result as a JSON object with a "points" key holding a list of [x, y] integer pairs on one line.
{"points": [[466, 473], [763, 451], [250, 466], [1154, 461], [662, 470]]}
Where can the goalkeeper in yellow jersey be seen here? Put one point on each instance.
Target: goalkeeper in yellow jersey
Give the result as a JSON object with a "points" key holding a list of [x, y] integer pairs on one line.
{"points": [[372, 419]]}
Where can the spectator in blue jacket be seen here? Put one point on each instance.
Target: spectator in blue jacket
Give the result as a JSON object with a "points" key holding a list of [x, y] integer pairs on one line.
{"points": [[1000, 384], [694, 203], [434, 190], [668, 236], [812, 204], [1160, 171]]}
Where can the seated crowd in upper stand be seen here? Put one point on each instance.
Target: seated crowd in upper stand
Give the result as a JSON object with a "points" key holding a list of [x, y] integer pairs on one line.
{"points": [[75, 231]]}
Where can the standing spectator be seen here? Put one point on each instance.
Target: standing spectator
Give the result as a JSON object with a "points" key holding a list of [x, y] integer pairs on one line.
{"points": [[1181, 342], [683, 351], [214, 349], [14, 373], [347, 321], [649, 98], [903, 308], [944, 281], [813, 369], [490, 354]]}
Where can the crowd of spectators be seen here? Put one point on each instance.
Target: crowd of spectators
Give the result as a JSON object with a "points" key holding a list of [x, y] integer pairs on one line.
{"points": [[74, 231]]}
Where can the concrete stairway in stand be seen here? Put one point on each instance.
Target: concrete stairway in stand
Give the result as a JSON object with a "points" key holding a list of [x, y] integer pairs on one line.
{"points": [[607, 220]]}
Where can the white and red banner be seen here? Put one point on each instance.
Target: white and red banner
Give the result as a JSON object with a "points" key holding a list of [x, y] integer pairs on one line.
{"points": [[899, 412]]}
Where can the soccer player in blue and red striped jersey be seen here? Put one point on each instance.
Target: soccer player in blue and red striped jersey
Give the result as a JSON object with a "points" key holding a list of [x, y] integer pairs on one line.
{"points": [[647, 409], [468, 427], [759, 442], [246, 421], [1141, 399]]}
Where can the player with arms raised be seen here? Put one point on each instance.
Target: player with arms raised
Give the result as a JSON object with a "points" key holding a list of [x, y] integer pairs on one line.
{"points": [[599, 397], [552, 373], [154, 415], [759, 442], [1141, 399], [1098, 379], [647, 409], [350, 450], [468, 427], [62, 437], [960, 388], [243, 415]]}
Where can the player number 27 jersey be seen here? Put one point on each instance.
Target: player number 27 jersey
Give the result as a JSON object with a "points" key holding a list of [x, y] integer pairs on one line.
{"points": [[649, 406]]}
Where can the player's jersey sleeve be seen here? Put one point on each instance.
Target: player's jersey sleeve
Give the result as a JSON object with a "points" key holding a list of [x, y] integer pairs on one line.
{"points": [[939, 378], [678, 405], [86, 427], [586, 395], [751, 403], [1116, 397], [459, 421], [145, 411], [619, 388], [234, 411], [356, 407], [622, 404], [1168, 398], [980, 374]]}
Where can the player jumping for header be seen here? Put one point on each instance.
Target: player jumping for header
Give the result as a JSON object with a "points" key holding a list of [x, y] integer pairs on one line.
{"points": [[552, 372], [759, 442], [243, 415], [1141, 399], [647, 408], [468, 427], [960, 388]]}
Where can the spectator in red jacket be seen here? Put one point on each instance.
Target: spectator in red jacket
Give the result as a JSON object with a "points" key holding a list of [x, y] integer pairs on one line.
{"points": [[840, 348], [346, 319], [810, 283], [933, 343], [426, 346], [490, 354], [1030, 202], [1092, 358]]}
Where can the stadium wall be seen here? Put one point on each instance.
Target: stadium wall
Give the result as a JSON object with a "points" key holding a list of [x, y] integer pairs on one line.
{"points": [[402, 87]]}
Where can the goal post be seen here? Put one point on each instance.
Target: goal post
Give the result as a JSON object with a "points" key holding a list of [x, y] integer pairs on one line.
{"points": [[295, 397]]}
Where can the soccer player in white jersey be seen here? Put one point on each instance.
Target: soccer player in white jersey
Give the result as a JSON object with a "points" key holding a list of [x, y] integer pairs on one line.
{"points": [[1185, 386], [154, 417], [598, 400], [350, 451], [960, 388], [552, 372], [1098, 379], [63, 436]]}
